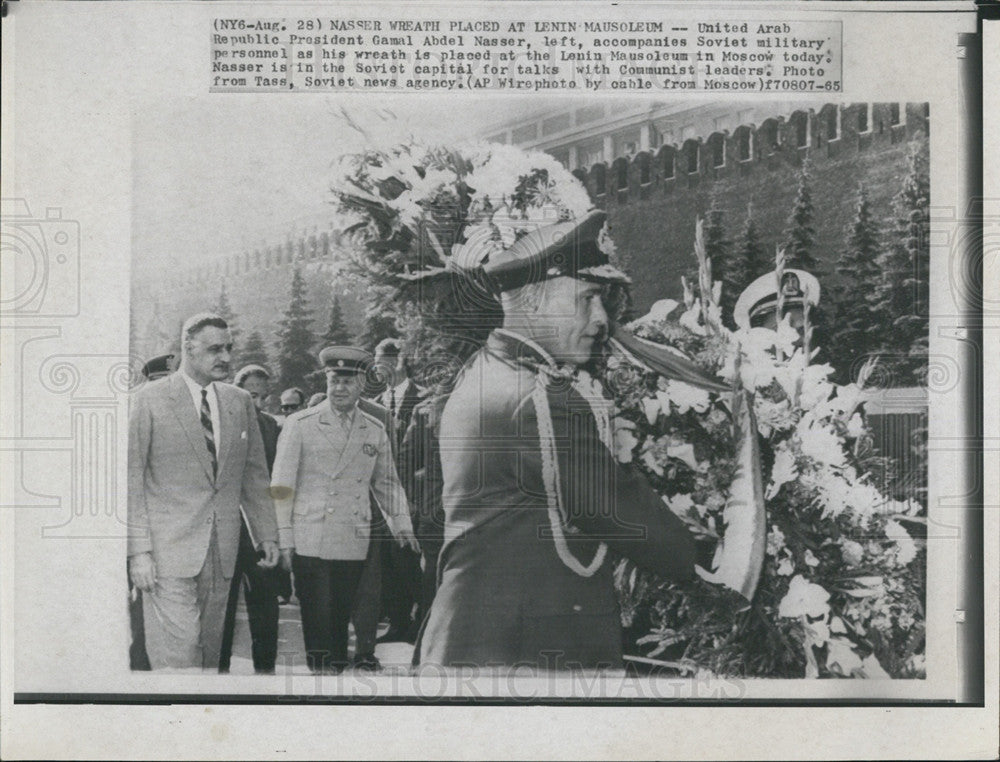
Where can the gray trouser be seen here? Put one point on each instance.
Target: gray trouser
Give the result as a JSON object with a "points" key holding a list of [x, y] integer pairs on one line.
{"points": [[184, 616]]}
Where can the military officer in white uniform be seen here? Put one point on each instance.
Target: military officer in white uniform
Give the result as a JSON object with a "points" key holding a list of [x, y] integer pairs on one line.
{"points": [[330, 457]]}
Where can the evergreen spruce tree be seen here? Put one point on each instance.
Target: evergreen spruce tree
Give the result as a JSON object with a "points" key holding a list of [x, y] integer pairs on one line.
{"points": [[296, 341], [902, 291], [749, 261], [858, 269], [337, 332], [223, 309], [377, 326], [254, 351], [157, 338], [717, 246], [800, 235]]}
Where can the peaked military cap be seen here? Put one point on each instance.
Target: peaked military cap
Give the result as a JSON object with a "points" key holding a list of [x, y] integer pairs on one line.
{"points": [[250, 370], [347, 360], [159, 366], [762, 295], [570, 248]]}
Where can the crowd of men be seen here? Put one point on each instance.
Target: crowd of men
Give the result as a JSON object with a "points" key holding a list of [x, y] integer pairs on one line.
{"points": [[478, 523], [329, 463]]}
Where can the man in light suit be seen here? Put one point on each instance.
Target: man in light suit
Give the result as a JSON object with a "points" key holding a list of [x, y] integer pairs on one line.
{"points": [[195, 456], [330, 458]]}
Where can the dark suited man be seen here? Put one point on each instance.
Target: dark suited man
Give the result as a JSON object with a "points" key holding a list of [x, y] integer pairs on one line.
{"points": [[196, 456], [262, 587], [331, 458], [367, 609], [533, 496], [400, 565], [419, 464]]}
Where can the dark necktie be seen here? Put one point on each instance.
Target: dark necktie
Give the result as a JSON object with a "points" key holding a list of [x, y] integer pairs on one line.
{"points": [[206, 426]]}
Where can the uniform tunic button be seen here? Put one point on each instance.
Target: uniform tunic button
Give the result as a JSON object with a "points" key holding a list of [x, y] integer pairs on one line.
{"points": [[577, 607], [329, 510]]}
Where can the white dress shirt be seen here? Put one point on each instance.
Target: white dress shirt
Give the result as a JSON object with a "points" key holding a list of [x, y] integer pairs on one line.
{"points": [[213, 405], [392, 398]]}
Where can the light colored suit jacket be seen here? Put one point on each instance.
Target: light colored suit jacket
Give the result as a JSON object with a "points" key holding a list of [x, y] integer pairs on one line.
{"points": [[173, 499], [322, 478]]}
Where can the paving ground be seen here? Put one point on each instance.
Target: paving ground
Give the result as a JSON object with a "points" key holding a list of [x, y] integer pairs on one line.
{"points": [[395, 657]]}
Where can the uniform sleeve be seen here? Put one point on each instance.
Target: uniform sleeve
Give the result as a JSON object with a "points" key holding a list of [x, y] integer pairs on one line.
{"points": [[255, 496], [139, 433], [611, 502], [284, 480], [388, 491]]}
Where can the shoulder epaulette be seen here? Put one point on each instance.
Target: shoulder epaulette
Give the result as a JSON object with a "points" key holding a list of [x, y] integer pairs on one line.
{"points": [[374, 419], [298, 415]]}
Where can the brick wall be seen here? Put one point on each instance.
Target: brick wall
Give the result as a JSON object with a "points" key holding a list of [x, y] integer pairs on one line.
{"points": [[653, 201]]}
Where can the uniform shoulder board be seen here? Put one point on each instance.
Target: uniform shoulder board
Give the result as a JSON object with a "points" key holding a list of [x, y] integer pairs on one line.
{"points": [[372, 418], [298, 415]]}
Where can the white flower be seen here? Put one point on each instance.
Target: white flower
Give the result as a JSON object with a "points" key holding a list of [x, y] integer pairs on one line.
{"points": [[841, 658], [658, 313], [691, 319], [685, 453], [852, 552], [865, 500], [906, 548], [822, 444], [810, 559], [685, 397], [816, 387], [804, 598], [785, 567], [773, 416], [625, 440], [855, 426], [784, 470], [775, 541], [905, 619], [650, 459], [680, 504]]}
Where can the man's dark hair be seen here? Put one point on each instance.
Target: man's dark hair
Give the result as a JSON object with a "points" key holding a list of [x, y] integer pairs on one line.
{"points": [[197, 323], [388, 347], [302, 394]]}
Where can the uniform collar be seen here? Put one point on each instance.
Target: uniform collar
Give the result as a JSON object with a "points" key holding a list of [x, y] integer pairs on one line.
{"points": [[518, 348], [333, 414]]}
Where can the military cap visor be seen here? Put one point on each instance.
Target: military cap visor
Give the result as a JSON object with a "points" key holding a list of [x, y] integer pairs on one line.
{"points": [[159, 366], [564, 249], [762, 295], [250, 370], [345, 360]]}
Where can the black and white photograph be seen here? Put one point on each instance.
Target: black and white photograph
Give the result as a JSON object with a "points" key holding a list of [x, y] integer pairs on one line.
{"points": [[524, 380], [737, 291]]}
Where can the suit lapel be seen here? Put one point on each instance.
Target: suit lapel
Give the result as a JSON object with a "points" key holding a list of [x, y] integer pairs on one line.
{"points": [[355, 441], [227, 420], [188, 418]]}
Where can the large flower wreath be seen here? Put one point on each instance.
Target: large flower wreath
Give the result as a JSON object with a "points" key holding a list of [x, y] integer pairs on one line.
{"points": [[841, 590]]}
